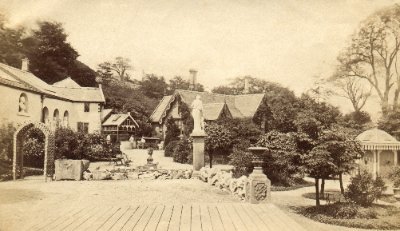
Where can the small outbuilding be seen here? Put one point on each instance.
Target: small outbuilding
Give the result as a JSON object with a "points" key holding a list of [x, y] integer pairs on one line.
{"points": [[119, 126], [381, 152]]}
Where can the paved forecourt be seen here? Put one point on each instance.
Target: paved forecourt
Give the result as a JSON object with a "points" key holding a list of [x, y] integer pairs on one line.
{"points": [[190, 217]]}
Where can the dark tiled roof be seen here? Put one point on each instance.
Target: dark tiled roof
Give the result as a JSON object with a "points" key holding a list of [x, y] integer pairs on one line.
{"points": [[240, 106]]}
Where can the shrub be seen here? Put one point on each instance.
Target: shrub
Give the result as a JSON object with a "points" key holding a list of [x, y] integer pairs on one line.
{"points": [[169, 149], [182, 151], [394, 175], [283, 163], [6, 141], [33, 148], [241, 159], [218, 140], [67, 143], [363, 190]]}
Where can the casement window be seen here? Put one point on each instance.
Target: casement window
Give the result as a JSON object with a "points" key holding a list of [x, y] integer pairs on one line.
{"points": [[83, 127]]}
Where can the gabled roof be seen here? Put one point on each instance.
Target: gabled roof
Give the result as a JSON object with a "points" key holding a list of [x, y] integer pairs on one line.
{"points": [[14, 77], [67, 82], [106, 113], [240, 106], [118, 119], [376, 139], [212, 111]]}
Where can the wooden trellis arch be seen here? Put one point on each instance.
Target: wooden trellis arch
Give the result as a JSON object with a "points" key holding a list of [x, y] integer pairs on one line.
{"points": [[49, 146]]}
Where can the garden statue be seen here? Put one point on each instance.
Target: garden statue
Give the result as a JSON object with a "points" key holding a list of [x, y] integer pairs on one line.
{"points": [[198, 134], [197, 113]]}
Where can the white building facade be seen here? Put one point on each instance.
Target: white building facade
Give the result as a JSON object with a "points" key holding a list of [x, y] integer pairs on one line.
{"points": [[27, 98]]}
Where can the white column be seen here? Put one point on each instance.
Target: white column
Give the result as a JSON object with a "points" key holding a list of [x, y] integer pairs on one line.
{"points": [[378, 163], [374, 168]]}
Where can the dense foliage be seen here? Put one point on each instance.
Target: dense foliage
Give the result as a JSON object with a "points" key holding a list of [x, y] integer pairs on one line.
{"points": [[394, 175], [282, 162], [172, 132], [364, 190], [6, 141], [218, 140], [183, 151], [76, 145]]}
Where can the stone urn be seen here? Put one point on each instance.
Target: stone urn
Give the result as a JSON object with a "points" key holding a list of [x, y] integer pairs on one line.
{"points": [[258, 186]]}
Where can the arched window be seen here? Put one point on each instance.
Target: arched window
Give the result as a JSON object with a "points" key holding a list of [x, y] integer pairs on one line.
{"points": [[45, 115], [66, 119], [23, 103], [56, 118]]}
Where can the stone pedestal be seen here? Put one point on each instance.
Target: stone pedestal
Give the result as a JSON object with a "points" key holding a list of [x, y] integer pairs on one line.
{"points": [[258, 186], [198, 149]]}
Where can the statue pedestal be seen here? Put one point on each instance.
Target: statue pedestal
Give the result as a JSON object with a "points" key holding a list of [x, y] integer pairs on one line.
{"points": [[198, 149], [258, 187]]}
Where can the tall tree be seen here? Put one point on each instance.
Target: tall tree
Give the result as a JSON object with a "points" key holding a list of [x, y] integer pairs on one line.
{"points": [[11, 48], [118, 68], [154, 86], [50, 55], [179, 83], [372, 55]]}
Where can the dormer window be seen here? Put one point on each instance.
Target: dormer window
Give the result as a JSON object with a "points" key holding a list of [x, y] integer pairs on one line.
{"points": [[23, 103], [86, 107]]}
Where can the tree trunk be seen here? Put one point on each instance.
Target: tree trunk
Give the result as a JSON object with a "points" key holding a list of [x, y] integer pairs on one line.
{"points": [[396, 99], [211, 157], [323, 188], [317, 192], [341, 183]]}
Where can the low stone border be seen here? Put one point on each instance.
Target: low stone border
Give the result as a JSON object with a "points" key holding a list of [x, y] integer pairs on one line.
{"points": [[135, 174], [224, 180]]}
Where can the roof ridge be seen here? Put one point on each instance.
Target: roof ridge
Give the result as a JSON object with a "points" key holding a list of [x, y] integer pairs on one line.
{"points": [[18, 78]]}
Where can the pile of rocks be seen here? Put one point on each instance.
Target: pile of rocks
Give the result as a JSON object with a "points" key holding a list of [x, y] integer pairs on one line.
{"points": [[224, 180], [131, 174]]}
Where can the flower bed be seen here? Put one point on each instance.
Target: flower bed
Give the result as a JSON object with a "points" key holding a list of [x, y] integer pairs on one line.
{"points": [[351, 215]]}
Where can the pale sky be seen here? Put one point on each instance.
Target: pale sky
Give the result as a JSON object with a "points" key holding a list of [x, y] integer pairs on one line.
{"points": [[287, 41]]}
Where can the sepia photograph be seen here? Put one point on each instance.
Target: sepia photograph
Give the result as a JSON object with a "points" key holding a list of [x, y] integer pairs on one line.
{"points": [[199, 115]]}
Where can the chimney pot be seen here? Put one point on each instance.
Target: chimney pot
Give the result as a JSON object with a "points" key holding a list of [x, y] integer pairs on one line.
{"points": [[25, 64], [246, 86], [192, 79]]}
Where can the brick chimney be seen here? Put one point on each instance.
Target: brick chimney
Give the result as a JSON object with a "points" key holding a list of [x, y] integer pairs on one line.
{"points": [[246, 89], [25, 64], [192, 79]]}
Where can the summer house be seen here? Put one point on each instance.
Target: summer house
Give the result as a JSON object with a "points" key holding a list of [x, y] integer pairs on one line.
{"points": [[381, 152], [119, 126]]}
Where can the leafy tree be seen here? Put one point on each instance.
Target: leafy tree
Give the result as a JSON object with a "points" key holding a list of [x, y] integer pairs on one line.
{"points": [[283, 161], [356, 120], [218, 140], [372, 55], [118, 68], [179, 83], [33, 148], [182, 151], [318, 164], [226, 90], [154, 86], [11, 47], [390, 122], [49, 53], [343, 149]]}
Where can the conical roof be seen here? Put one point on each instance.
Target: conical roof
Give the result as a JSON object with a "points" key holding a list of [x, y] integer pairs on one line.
{"points": [[376, 139]]}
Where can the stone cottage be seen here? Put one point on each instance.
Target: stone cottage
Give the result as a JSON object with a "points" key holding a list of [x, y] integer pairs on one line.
{"points": [[215, 106]]}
